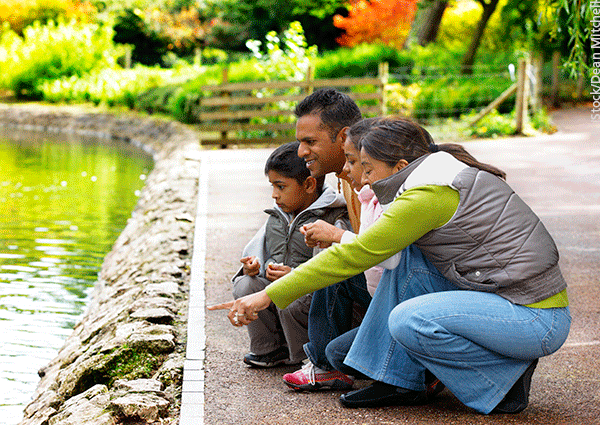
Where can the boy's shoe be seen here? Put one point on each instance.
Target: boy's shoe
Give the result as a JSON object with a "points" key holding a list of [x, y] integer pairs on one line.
{"points": [[311, 378], [272, 359]]}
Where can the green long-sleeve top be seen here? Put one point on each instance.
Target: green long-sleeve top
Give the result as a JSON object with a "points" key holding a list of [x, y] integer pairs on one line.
{"points": [[413, 214]]}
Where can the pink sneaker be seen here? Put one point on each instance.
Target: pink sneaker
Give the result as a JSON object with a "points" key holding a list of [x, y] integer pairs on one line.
{"points": [[311, 378]]}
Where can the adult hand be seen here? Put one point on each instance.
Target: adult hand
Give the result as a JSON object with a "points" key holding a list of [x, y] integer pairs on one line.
{"points": [[321, 234], [275, 271], [244, 310], [251, 266]]}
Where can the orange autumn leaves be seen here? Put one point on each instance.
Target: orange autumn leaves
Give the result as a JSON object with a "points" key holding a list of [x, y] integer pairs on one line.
{"points": [[386, 22]]}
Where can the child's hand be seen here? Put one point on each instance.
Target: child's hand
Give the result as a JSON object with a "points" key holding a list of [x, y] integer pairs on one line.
{"points": [[321, 234], [251, 266], [275, 271]]}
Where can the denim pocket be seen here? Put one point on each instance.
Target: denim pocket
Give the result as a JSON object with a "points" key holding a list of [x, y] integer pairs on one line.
{"points": [[559, 323]]}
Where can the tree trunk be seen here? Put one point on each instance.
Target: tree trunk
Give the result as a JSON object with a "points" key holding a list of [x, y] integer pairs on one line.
{"points": [[428, 22], [469, 58]]}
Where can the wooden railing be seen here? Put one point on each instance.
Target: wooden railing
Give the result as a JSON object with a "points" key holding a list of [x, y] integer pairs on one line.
{"points": [[263, 112]]}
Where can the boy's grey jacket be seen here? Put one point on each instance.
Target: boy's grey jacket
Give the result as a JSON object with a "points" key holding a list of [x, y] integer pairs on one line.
{"points": [[279, 240], [493, 243]]}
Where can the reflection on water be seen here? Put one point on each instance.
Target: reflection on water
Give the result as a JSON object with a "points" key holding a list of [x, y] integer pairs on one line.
{"points": [[62, 205]]}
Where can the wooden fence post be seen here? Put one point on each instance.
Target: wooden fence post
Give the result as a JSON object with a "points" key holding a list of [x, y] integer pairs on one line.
{"points": [[521, 105], [384, 75], [536, 95], [555, 70], [310, 75], [505, 95], [224, 93], [128, 53]]}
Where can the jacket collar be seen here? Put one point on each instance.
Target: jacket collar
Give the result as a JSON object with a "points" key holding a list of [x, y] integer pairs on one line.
{"points": [[389, 188]]}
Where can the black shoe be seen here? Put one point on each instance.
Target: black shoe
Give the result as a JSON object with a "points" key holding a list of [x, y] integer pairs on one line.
{"points": [[517, 399], [433, 386], [380, 394], [272, 359]]}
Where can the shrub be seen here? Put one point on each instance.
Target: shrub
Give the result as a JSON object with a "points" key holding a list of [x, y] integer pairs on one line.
{"points": [[541, 121], [53, 51], [19, 14], [360, 60], [285, 58], [111, 87], [149, 46], [452, 95], [492, 125], [401, 98]]}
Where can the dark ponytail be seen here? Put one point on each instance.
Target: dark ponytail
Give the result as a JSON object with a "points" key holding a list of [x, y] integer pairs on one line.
{"points": [[391, 139], [460, 153]]}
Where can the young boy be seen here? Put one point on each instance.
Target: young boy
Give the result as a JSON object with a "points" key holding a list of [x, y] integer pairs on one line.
{"points": [[278, 336]]}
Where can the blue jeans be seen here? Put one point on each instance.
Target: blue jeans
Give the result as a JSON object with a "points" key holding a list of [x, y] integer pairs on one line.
{"points": [[330, 315], [337, 350], [478, 344]]}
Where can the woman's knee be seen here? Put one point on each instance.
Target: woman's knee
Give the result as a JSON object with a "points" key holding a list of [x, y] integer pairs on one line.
{"points": [[404, 323]]}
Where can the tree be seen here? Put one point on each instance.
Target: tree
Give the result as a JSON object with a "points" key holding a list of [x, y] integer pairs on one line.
{"points": [[574, 17], [240, 20], [428, 20], [552, 25], [386, 22], [489, 6]]}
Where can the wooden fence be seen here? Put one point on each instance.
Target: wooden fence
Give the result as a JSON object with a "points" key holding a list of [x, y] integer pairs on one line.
{"points": [[263, 112], [528, 89]]}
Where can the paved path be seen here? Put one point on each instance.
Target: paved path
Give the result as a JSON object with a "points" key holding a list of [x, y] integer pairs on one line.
{"points": [[557, 175]]}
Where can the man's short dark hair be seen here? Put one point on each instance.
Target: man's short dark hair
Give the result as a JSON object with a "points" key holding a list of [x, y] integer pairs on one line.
{"points": [[285, 161], [337, 110]]}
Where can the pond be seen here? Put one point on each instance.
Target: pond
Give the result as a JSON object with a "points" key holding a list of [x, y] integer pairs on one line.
{"points": [[63, 203]]}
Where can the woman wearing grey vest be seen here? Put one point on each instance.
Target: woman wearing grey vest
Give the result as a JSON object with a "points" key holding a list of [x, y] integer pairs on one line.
{"points": [[478, 296]]}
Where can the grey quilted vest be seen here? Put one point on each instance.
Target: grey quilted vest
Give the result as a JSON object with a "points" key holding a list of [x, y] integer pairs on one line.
{"points": [[283, 239], [493, 243]]}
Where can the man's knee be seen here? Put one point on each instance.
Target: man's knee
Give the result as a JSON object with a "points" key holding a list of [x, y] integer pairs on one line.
{"points": [[297, 310], [246, 285]]}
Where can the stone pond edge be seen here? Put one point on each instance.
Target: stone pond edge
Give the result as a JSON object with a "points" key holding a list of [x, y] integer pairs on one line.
{"points": [[124, 360]]}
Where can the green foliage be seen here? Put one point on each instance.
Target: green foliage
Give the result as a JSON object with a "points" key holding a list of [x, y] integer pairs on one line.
{"points": [[18, 14], [459, 23], [240, 20], [446, 95], [53, 51], [360, 61], [210, 55], [112, 86], [493, 125], [576, 18], [496, 124], [542, 121], [401, 98], [149, 46], [133, 364], [289, 62]]}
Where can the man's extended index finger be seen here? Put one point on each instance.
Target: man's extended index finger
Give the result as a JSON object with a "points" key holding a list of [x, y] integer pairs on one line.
{"points": [[223, 306]]}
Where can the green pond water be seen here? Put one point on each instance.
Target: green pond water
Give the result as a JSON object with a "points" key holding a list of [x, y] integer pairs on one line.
{"points": [[63, 203]]}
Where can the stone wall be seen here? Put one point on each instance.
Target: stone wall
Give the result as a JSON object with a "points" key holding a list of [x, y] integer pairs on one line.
{"points": [[123, 363]]}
